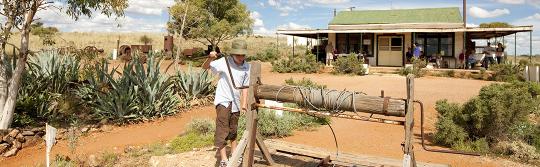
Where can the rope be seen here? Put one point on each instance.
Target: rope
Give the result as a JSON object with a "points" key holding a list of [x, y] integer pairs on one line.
{"points": [[307, 95]]}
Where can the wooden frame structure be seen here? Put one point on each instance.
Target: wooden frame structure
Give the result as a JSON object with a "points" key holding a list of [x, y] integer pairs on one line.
{"points": [[361, 103]]}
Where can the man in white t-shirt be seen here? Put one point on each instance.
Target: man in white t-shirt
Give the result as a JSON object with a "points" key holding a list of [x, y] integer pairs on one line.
{"points": [[229, 101], [490, 55]]}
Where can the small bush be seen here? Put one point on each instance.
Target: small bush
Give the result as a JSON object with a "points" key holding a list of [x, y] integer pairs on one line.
{"points": [[300, 63], [190, 141], [272, 125], [500, 113], [200, 133], [416, 70], [518, 150], [202, 126], [349, 65], [269, 54], [507, 72], [305, 82]]}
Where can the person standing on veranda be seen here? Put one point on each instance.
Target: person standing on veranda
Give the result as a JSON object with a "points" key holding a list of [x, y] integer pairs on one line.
{"points": [[500, 53], [329, 54], [490, 55], [228, 100]]}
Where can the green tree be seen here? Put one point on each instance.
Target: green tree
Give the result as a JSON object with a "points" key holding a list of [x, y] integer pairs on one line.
{"points": [[211, 22], [145, 39], [46, 34], [20, 15], [495, 25]]}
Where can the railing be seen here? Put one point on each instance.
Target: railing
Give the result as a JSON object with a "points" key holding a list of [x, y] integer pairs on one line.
{"points": [[532, 73]]}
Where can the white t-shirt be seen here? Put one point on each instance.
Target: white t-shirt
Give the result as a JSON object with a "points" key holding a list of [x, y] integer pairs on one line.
{"points": [[225, 92], [490, 51]]}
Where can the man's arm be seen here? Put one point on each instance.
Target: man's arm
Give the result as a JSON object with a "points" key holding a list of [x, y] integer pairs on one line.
{"points": [[243, 99], [211, 57]]}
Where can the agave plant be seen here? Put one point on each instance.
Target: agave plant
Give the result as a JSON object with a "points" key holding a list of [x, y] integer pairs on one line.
{"points": [[193, 85], [139, 93], [46, 91]]}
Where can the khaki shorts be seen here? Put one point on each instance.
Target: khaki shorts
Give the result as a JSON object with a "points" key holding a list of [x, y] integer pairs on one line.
{"points": [[226, 125]]}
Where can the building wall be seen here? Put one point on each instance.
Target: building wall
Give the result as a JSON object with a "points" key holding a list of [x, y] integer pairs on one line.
{"points": [[458, 44]]}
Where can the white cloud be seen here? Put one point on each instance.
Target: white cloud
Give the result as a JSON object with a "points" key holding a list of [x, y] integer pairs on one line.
{"points": [[523, 39], [472, 25], [293, 26], [478, 12], [514, 2], [149, 7], [330, 1], [257, 18]]}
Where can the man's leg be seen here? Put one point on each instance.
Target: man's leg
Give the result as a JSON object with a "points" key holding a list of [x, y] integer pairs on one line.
{"points": [[233, 131], [222, 130]]}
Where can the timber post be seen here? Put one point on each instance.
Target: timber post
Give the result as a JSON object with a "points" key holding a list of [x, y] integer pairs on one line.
{"points": [[409, 159]]}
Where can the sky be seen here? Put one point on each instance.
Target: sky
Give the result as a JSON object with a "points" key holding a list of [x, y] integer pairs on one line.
{"points": [[270, 15]]}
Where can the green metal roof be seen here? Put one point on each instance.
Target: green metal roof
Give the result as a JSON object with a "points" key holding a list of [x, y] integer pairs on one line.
{"points": [[426, 15]]}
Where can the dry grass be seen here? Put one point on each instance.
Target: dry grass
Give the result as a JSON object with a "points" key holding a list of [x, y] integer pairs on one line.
{"points": [[108, 41]]}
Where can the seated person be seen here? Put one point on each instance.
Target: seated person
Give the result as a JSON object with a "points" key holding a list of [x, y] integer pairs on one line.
{"points": [[471, 61]]}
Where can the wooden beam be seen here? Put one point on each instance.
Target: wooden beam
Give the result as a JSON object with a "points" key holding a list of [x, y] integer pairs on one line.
{"points": [[344, 159], [238, 151], [331, 98], [264, 150], [409, 124]]}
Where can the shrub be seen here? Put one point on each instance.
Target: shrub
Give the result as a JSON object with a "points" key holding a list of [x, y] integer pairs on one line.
{"points": [[140, 93], [507, 72], [46, 93], [202, 126], [517, 150], [272, 125], [200, 133], [305, 82], [416, 70], [349, 65], [501, 112], [269, 54], [301, 63], [194, 86], [191, 140]]}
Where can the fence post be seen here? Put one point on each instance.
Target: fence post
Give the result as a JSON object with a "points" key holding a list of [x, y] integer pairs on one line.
{"points": [[526, 73], [409, 159]]}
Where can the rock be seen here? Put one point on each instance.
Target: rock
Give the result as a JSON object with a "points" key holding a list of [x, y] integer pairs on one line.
{"points": [[19, 136], [39, 129], [4, 132], [14, 133], [31, 141], [3, 147], [8, 139], [95, 130], [28, 133], [11, 152], [104, 121], [93, 161], [22, 139], [106, 128], [40, 133], [17, 144], [85, 129]]}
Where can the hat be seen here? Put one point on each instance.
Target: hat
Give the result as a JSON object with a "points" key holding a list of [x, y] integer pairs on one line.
{"points": [[239, 47]]}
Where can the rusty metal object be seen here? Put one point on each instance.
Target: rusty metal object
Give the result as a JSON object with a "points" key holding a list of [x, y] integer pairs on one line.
{"points": [[125, 52], [423, 136], [168, 44], [141, 48]]}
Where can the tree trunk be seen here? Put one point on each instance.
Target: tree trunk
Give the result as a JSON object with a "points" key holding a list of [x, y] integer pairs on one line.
{"points": [[181, 35], [7, 110]]}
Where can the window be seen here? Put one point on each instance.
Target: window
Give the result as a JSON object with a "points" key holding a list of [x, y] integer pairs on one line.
{"points": [[436, 43], [355, 43], [397, 44]]}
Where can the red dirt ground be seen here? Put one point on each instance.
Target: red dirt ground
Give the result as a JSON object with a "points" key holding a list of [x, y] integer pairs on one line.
{"points": [[353, 136]]}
